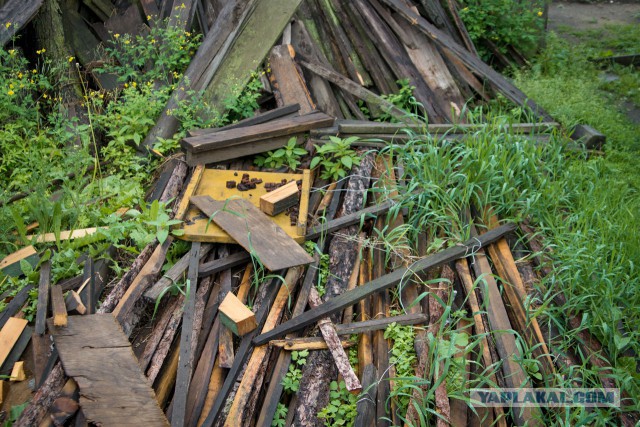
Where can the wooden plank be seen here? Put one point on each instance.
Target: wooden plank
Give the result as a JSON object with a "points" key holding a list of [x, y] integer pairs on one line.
{"points": [[289, 85], [381, 323], [225, 336], [308, 343], [333, 342], [15, 304], [280, 199], [74, 304], [97, 354], [248, 47], [17, 351], [236, 316], [384, 282], [15, 14], [254, 372], [254, 231], [40, 345], [4, 391], [349, 127], [185, 368], [355, 89], [267, 116], [65, 235], [174, 274], [10, 265], [508, 89], [228, 262], [347, 220], [245, 135], [43, 297], [58, 306], [590, 137]]}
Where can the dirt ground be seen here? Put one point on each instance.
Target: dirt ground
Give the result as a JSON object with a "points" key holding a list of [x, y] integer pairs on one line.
{"points": [[588, 16]]}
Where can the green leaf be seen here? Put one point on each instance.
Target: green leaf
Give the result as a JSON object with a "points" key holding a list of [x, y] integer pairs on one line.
{"points": [[347, 161], [162, 235], [314, 162]]}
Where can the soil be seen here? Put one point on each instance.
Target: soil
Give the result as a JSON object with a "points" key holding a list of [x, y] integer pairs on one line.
{"points": [[590, 16], [565, 17]]}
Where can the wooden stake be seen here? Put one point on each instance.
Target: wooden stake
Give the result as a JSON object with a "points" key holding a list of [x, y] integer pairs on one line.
{"points": [[58, 306]]}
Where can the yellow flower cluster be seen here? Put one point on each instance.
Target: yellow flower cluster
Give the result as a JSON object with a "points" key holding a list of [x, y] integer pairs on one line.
{"points": [[41, 51]]}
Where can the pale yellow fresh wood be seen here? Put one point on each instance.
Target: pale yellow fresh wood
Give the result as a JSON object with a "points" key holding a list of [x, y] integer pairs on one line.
{"points": [[66, 235], [17, 373], [9, 335], [233, 310], [17, 256]]}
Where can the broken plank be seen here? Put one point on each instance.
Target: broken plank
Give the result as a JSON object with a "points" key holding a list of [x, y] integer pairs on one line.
{"points": [[4, 391], [174, 274], [97, 354], [280, 199], [185, 368], [385, 282], [58, 306], [65, 235], [9, 336], [218, 265], [330, 336], [74, 304], [10, 265], [289, 85], [15, 304], [43, 297], [244, 135], [15, 14], [254, 231], [17, 373], [16, 352], [347, 220], [276, 113], [236, 316]]}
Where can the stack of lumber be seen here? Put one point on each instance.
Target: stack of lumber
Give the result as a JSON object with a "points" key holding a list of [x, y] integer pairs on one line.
{"points": [[217, 352]]}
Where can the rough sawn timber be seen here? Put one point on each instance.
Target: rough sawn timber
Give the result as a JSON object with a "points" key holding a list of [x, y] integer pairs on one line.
{"points": [[113, 391], [254, 231]]}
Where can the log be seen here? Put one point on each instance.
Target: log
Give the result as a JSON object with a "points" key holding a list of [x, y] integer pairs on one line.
{"points": [[385, 282]]}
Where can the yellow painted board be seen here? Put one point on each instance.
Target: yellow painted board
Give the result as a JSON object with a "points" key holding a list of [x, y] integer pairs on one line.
{"points": [[213, 183]]}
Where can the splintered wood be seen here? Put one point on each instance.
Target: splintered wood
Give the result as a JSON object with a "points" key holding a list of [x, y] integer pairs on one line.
{"points": [[114, 392]]}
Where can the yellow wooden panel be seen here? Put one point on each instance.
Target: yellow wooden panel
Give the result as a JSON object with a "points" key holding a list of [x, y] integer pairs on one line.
{"points": [[213, 182]]}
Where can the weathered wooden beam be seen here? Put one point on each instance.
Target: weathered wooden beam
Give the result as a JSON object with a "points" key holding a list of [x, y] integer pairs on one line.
{"points": [[381, 323], [16, 350], [43, 297], [15, 14], [15, 305], [10, 265], [347, 220], [307, 343], [185, 368], [58, 306], [288, 83], [267, 116], [236, 316], [280, 199], [385, 282]]}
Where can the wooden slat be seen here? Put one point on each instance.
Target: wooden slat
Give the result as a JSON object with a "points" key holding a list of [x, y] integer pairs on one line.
{"points": [[185, 368], [43, 297], [10, 265], [65, 235], [254, 231], [289, 85], [245, 135], [369, 127], [96, 352], [280, 199], [384, 282], [381, 323], [308, 343], [347, 220], [267, 116], [15, 14], [58, 306], [15, 304], [16, 351]]}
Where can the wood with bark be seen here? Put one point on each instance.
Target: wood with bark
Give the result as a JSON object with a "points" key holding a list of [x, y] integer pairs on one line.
{"points": [[314, 385]]}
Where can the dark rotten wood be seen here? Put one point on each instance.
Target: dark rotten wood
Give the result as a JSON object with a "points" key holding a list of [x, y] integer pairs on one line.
{"points": [[185, 368], [347, 220], [267, 116], [254, 231], [218, 265], [43, 297], [15, 304], [385, 282], [381, 323], [14, 15], [95, 351]]}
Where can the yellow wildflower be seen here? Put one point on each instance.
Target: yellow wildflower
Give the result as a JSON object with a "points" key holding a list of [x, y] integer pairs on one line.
{"points": [[7, 25], [539, 13], [148, 17], [10, 85], [12, 52], [19, 75], [45, 96], [116, 36], [134, 84], [71, 58], [126, 85], [10, 93]]}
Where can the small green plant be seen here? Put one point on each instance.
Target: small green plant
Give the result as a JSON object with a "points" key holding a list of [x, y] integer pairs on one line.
{"points": [[336, 157], [403, 357], [341, 410], [323, 267], [280, 417], [289, 156], [176, 288], [291, 381]]}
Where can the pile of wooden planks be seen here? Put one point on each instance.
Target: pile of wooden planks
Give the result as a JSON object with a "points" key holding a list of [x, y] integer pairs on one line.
{"points": [[213, 333]]}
